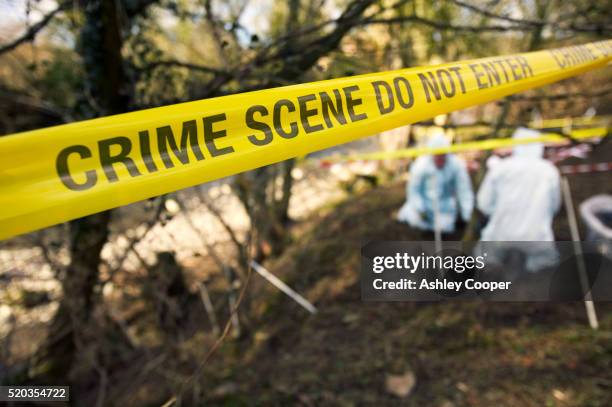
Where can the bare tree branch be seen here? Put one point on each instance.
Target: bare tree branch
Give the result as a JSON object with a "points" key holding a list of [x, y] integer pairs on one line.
{"points": [[442, 26], [34, 30], [220, 44], [489, 14], [517, 24], [599, 29], [188, 65], [240, 248], [301, 57], [131, 247]]}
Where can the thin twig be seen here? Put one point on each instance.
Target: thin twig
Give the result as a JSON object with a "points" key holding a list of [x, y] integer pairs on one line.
{"points": [[189, 381]]}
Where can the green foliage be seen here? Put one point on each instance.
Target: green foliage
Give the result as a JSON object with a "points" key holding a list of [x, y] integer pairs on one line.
{"points": [[60, 79]]}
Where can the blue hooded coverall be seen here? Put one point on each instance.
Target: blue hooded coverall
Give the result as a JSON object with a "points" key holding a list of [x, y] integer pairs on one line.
{"points": [[450, 185]]}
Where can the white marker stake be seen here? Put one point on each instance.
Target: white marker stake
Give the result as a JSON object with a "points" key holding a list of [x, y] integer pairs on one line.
{"points": [[272, 279], [436, 207], [571, 215], [210, 310]]}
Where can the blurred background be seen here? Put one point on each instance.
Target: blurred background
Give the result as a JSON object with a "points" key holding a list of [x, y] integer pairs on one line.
{"points": [[157, 303]]}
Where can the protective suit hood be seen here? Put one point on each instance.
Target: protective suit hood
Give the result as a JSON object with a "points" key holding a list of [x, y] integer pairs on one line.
{"points": [[531, 150], [438, 140]]}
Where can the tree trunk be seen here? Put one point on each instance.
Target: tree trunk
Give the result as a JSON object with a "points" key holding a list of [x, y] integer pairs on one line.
{"points": [[73, 325], [68, 329]]}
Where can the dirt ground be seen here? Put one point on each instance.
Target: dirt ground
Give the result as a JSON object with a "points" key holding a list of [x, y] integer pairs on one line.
{"points": [[461, 353]]}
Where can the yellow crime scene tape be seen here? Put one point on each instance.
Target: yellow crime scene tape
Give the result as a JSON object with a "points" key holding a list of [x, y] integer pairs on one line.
{"points": [[576, 133], [490, 144], [572, 121], [476, 130], [544, 123], [53, 175]]}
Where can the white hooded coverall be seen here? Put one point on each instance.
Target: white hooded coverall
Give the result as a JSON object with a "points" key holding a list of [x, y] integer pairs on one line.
{"points": [[521, 195]]}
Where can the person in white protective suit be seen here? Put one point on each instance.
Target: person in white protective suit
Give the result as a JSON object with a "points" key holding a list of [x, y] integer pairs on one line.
{"points": [[520, 196], [438, 184]]}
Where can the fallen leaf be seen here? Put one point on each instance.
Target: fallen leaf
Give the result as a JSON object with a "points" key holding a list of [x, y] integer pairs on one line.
{"points": [[400, 385], [559, 395]]}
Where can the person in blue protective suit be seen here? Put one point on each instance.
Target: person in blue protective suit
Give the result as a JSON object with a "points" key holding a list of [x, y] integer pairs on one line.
{"points": [[520, 196], [438, 185]]}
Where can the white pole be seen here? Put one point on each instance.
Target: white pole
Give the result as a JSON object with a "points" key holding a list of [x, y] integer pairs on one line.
{"points": [[436, 207], [276, 282], [571, 215], [234, 315], [210, 310]]}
